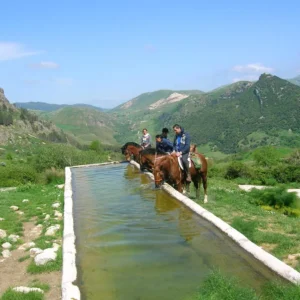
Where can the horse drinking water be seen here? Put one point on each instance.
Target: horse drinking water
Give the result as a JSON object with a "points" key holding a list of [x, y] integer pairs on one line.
{"points": [[167, 168]]}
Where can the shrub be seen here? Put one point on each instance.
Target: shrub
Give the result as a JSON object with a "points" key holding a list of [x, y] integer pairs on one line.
{"points": [[294, 158], [60, 156], [13, 175], [266, 156], [275, 197], [54, 175], [284, 173], [236, 169]]}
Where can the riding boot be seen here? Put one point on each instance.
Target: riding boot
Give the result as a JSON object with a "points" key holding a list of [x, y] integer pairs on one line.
{"points": [[188, 176]]}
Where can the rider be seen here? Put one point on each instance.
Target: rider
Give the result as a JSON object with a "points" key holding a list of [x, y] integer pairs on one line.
{"points": [[163, 144], [146, 139], [164, 132], [181, 144]]}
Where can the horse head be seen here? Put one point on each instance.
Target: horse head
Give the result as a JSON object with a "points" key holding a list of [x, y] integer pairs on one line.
{"points": [[159, 170], [148, 157], [131, 149]]}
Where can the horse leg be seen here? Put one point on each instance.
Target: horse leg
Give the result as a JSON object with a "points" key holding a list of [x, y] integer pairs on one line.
{"points": [[187, 187], [197, 184], [204, 179]]}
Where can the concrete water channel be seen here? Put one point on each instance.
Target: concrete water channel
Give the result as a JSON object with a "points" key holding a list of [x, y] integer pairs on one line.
{"points": [[135, 242]]}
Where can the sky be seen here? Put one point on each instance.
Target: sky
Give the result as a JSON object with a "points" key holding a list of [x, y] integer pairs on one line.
{"points": [[106, 52]]}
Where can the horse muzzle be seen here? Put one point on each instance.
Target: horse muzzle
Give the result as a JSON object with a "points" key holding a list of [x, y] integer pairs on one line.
{"points": [[158, 183]]}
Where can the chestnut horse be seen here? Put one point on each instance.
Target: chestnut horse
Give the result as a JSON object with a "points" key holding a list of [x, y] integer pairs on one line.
{"points": [[166, 168], [147, 158], [131, 149]]}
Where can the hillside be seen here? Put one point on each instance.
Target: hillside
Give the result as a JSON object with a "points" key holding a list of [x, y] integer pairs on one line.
{"points": [[295, 80], [266, 112], [153, 100], [20, 124], [235, 117], [42, 106], [86, 123]]}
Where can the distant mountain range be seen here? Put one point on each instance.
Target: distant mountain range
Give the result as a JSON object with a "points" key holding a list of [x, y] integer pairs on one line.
{"points": [[52, 107], [295, 80], [231, 118]]}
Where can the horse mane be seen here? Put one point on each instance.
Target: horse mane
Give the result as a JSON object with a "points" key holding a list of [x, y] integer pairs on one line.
{"points": [[152, 151], [130, 144]]}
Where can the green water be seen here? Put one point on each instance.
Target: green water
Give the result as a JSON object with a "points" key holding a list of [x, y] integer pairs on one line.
{"points": [[137, 243]]}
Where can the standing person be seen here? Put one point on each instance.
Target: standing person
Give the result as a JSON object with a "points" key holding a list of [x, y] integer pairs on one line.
{"points": [[164, 132], [146, 139], [182, 141], [163, 144]]}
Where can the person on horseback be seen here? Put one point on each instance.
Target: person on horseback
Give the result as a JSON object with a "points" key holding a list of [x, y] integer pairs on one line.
{"points": [[163, 144], [164, 132], [146, 139], [181, 144]]}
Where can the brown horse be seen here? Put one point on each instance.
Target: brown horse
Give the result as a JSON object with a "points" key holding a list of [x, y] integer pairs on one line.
{"points": [[147, 158], [167, 168], [130, 150]]}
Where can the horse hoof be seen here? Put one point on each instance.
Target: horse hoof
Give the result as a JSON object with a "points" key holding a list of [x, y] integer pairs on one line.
{"points": [[205, 199]]}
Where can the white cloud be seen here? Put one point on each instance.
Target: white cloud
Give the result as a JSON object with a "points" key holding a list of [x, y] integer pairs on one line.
{"points": [[10, 51], [246, 78], [45, 65], [252, 68]]}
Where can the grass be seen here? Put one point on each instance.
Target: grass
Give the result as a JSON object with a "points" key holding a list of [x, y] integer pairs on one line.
{"points": [[261, 226], [219, 286], [12, 295], [40, 198], [23, 258]]}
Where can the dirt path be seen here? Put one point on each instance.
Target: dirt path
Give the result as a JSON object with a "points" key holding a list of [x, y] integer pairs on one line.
{"points": [[13, 273]]}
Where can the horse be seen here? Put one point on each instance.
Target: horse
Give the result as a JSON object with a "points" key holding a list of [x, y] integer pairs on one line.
{"points": [[167, 168], [131, 149], [147, 158]]}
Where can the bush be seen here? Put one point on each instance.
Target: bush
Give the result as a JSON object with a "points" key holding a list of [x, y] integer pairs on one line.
{"points": [[266, 156], [54, 176], [13, 175], [294, 158], [60, 156], [261, 175], [274, 197], [236, 169], [284, 173]]}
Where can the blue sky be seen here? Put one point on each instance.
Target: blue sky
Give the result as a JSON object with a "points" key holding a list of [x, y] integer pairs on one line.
{"points": [[107, 52]]}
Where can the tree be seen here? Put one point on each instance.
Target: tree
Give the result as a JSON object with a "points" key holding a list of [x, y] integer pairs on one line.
{"points": [[96, 146]]}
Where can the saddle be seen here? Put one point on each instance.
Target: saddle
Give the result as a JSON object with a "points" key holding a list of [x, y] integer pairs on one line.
{"points": [[180, 162], [192, 158]]}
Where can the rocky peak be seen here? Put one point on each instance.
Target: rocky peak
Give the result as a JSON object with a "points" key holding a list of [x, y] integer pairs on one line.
{"points": [[4, 101]]}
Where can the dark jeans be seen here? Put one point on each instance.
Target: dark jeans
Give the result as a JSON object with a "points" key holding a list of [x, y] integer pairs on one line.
{"points": [[185, 161]]}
